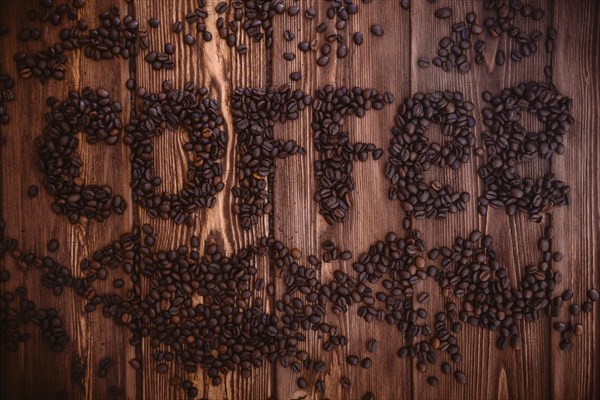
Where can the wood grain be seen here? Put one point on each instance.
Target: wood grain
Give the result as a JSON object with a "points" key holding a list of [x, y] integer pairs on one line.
{"points": [[575, 374], [389, 63]]}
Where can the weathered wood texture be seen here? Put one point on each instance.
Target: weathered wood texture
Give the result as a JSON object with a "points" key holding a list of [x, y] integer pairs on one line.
{"points": [[389, 63]]}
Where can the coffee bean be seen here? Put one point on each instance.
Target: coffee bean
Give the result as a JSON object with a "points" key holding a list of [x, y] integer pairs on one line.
{"points": [[295, 76], [322, 61], [302, 383], [500, 57], [358, 38], [443, 13], [53, 245], [372, 345], [352, 360], [189, 39], [460, 377], [221, 7], [32, 191], [153, 22], [593, 295], [293, 10], [432, 381], [366, 363], [346, 382], [376, 30]]}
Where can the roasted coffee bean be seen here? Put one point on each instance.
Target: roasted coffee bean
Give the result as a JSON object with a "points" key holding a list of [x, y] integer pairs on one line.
{"points": [[53, 245], [295, 76], [443, 13], [376, 30], [358, 38], [32, 191]]}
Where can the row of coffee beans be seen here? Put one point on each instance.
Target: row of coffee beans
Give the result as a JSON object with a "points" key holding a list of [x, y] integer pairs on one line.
{"points": [[200, 117], [336, 153], [255, 113], [96, 115]]}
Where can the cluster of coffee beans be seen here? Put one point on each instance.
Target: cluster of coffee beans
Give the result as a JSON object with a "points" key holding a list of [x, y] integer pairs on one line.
{"points": [[197, 17], [255, 113], [332, 34], [333, 167], [228, 331], [331, 252], [452, 50], [510, 144], [6, 244], [255, 18], [54, 14], [113, 38], [7, 94], [198, 115], [14, 317], [503, 23], [412, 153], [96, 115]]}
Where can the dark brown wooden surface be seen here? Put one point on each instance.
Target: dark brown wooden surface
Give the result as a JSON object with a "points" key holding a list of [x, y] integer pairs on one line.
{"points": [[537, 371]]}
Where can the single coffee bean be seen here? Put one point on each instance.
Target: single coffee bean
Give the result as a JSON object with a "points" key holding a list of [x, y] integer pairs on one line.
{"points": [[358, 38], [366, 363], [500, 57], [295, 76], [460, 377], [189, 39], [53, 245], [377, 30], [443, 13], [32, 191]]}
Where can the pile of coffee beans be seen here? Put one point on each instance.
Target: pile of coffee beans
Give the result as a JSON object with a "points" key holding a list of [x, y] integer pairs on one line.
{"points": [[412, 154], [255, 113], [333, 167], [509, 144], [191, 110], [14, 317], [115, 37], [96, 115], [7, 94]]}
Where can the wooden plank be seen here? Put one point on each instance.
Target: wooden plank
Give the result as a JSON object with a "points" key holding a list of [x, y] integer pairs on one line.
{"points": [[426, 31], [575, 64], [220, 69], [297, 219], [109, 165], [22, 216], [489, 371]]}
